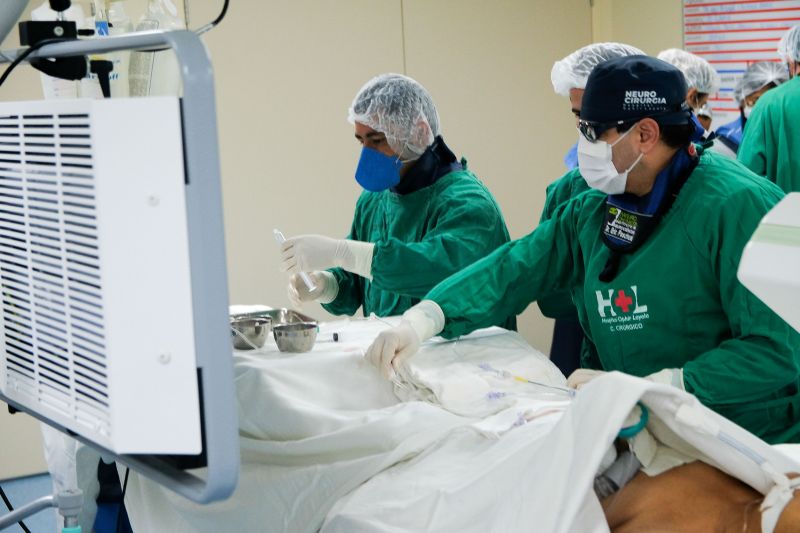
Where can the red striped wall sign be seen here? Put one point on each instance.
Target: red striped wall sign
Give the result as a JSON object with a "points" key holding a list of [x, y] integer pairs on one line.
{"points": [[731, 35]]}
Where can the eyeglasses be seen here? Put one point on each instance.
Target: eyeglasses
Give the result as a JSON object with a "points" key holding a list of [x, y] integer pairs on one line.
{"points": [[593, 130]]}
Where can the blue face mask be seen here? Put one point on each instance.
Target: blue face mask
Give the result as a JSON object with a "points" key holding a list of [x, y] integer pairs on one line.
{"points": [[377, 172]]}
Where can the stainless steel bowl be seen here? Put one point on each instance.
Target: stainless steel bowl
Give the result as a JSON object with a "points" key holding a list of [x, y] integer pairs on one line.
{"points": [[250, 333], [295, 337]]}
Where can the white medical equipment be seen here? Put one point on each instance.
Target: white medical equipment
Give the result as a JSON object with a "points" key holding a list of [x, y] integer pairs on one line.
{"points": [[303, 275], [770, 264], [113, 311]]}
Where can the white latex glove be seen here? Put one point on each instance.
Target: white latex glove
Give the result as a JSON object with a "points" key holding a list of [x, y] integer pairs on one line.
{"points": [[306, 253], [325, 292], [393, 347], [396, 345], [581, 377]]}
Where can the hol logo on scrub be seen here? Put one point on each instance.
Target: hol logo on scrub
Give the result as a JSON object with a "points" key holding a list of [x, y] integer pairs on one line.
{"points": [[621, 309]]}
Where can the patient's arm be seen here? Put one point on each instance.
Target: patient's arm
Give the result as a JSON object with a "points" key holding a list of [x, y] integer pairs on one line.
{"points": [[692, 498]]}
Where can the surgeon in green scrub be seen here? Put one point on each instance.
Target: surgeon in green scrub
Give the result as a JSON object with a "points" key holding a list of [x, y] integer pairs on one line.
{"points": [[771, 141], [422, 217], [569, 76], [650, 257]]}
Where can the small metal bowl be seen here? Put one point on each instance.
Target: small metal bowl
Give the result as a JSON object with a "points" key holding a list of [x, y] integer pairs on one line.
{"points": [[250, 333], [295, 337]]}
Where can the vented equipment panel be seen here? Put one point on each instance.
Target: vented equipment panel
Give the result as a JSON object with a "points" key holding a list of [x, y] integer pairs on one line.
{"points": [[50, 266]]}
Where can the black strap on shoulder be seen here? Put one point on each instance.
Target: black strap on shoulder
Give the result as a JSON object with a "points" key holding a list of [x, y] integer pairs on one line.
{"points": [[611, 268]]}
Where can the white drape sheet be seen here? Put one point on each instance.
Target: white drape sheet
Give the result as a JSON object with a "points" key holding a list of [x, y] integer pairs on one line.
{"points": [[328, 444]]}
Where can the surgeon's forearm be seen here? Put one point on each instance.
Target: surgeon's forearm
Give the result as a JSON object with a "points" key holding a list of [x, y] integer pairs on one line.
{"points": [[728, 374], [426, 318], [489, 291], [434, 259], [505, 282]]}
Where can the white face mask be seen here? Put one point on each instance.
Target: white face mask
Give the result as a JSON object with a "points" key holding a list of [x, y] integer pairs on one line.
{"points": [[747, 110], [595, 161]]}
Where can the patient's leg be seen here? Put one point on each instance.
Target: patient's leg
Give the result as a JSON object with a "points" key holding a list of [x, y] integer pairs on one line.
{"points": [[691, 498]]}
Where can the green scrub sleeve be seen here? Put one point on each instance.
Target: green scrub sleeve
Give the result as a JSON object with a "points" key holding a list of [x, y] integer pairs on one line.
{"points": [[349, 298], [461, 235], [752, 152], [507, 281], [559, 305], [561, 191], [759, 359]]}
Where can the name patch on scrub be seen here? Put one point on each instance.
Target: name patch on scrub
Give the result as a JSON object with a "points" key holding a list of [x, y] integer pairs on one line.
{"points": [[621, 310], [621, 225]]}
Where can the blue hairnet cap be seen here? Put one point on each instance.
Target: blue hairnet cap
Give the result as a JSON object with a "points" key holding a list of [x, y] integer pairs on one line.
{"points": [[634, 87]]}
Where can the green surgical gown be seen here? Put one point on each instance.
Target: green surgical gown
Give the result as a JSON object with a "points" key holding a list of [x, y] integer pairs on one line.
{"points": [[675, 303], [559, 304], [420, 239], [771, 141]]}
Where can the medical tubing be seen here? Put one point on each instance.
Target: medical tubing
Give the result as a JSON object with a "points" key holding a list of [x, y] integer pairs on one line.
{"points": [[508, 375], [21, 57], [202, 29], [11, 508], [741, 448], [629, 432], [215, 22]]}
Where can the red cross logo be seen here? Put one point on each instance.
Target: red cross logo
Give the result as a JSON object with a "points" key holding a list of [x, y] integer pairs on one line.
{"points": [[623, 301]]}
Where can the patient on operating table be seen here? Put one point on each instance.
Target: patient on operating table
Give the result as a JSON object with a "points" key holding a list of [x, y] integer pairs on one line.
{"points": [[687, 497], [694, 497]]}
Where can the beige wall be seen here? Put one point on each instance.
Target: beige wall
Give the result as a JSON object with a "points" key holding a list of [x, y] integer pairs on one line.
{"points": [[22, 446], [286, 72], [288, 153], [651, 25]]}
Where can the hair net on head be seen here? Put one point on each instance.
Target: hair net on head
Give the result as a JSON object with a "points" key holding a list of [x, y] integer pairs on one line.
{"points": [[757, 76], [573, 71], [789, 47], [698, 72], [401, 109]]}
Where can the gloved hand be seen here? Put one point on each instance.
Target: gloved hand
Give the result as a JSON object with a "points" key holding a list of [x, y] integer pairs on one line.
{"points": [[306, 253], [325, 291], [582, 376], [393, 347]]}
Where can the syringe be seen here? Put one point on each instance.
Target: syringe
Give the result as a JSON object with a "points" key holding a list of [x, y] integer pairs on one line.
{"points": [[305, 277]]}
